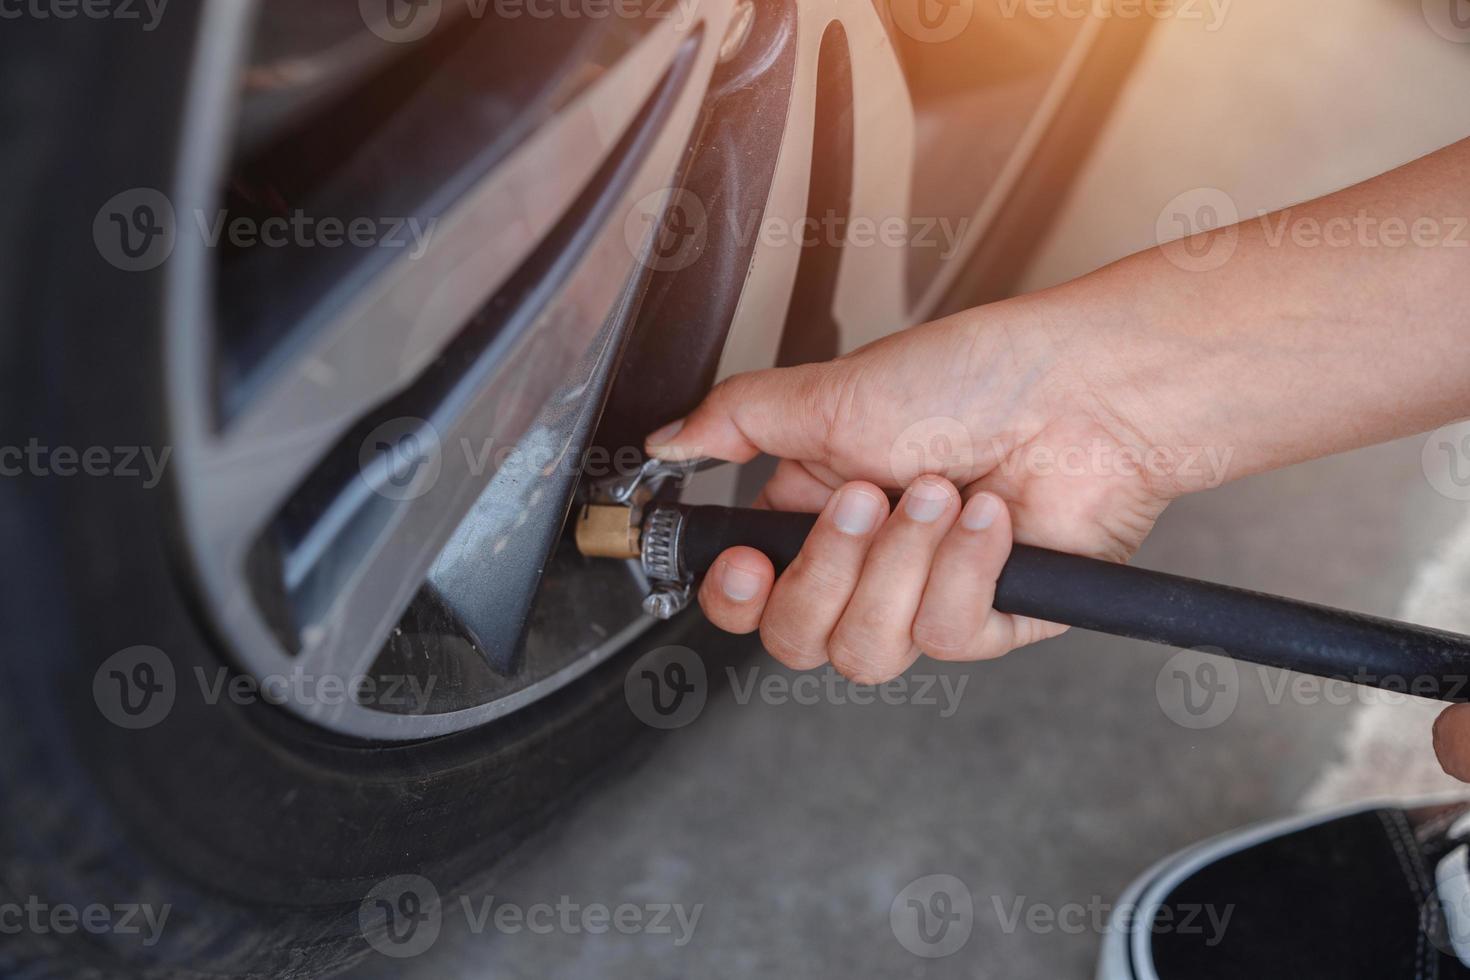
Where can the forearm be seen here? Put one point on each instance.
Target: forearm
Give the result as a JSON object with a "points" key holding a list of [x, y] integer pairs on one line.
{"points": [[1334, 324]]}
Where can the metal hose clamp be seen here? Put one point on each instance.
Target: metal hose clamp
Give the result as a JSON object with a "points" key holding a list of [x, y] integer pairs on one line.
{"points": [[660, 551]]}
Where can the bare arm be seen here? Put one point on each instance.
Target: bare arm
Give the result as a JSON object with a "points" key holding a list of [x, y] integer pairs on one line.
{"points": [[1331, 325], [1338, 323]]}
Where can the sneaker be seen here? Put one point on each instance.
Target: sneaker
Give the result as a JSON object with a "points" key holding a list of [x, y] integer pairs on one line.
{"points": [[1375, 891]]}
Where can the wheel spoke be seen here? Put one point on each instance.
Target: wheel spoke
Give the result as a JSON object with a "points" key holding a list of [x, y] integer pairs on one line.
{"points": [[395, 326], [869, 300], [351, 590], [406, 429], [304, 54]]}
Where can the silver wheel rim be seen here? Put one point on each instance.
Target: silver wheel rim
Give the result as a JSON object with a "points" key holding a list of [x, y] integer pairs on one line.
{"points": [[351, 576]]}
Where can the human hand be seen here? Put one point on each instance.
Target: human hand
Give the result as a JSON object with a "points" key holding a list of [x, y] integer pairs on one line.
{"points": [[997, 430], [1452, 741]]}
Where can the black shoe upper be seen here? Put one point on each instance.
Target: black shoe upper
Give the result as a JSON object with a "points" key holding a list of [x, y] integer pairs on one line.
{"points": [[1353, 896]]}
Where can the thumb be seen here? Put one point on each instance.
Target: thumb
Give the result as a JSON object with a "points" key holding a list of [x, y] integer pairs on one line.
{"points": [[785, 412], [1452, 741]]}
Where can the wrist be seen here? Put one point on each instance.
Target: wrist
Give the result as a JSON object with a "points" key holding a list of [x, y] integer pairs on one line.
{"points": [[1117, 358]]}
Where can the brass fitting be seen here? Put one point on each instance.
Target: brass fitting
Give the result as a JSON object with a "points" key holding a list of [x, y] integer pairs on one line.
{"points": [[609, 531]]}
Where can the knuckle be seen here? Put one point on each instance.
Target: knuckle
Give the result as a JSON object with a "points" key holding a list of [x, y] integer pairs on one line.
{"points": [[728, 389], [863, 663], [822, 576], [789, 650], [943, 641]]}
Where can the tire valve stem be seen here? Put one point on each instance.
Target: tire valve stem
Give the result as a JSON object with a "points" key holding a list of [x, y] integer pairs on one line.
{"points": [[623, 531], [623, 521]]}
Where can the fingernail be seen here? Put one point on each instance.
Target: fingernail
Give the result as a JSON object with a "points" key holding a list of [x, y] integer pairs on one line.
{"points": [[662, 436], [925, 500], [980, 512], [739, 584], [856, 512]]}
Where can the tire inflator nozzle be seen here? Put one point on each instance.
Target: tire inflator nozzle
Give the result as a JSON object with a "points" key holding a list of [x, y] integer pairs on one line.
{"points": [[675, 544]]}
